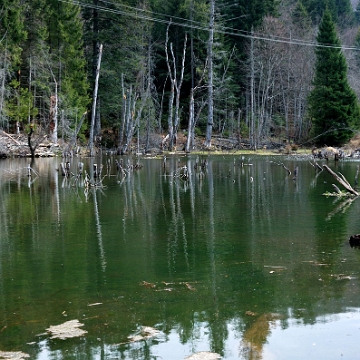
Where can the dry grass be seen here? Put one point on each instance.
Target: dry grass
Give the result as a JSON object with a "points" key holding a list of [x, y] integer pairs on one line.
{"points": [[354, 143]]}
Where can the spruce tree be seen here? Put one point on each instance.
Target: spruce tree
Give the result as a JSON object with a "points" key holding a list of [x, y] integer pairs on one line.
{"points": [[333, 106]]}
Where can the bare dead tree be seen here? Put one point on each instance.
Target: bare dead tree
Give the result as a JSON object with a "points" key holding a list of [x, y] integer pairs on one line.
{"points": [[192, 119], [93, 113], [174, 119], [342, 180]]}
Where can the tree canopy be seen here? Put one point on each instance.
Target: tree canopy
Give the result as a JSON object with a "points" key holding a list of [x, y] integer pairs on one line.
{"points": [[261, 71], [333, 104]]}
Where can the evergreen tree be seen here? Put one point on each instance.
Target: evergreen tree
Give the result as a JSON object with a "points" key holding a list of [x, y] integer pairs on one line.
{"points": [[74, 85], [300, 18], [126, 39], [341, 10], [12, 28], [357, 13], [12, 34], [333, 105]]}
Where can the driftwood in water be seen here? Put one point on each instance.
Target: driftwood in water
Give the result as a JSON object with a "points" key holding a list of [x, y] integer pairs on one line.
{"points": [[97, 170], [80, 168], [342, 180], [67, 330], [65, 168], [316, 166], [283, 166]]}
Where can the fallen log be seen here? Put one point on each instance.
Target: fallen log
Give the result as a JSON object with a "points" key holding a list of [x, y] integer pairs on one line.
{"points": [[342, 180], [10, 137]]}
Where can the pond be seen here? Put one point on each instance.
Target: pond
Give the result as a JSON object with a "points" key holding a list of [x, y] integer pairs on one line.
{"points": [[227, 254]]}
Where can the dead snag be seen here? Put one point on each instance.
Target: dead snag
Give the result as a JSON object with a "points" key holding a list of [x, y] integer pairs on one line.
{"points": [[316, 165], [283, 166], [342, 180]]}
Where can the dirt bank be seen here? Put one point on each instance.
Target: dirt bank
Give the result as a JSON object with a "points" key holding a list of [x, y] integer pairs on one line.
{"points": [[16, 145]]}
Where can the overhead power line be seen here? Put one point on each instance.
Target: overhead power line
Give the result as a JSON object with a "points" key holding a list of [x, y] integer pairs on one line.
{"points": [[151, 16]]}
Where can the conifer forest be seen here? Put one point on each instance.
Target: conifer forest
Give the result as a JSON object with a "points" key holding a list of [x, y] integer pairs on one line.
{"points": [[113, 72]]}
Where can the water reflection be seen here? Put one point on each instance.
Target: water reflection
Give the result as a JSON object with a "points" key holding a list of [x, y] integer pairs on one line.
{"points": [[225, 254]]}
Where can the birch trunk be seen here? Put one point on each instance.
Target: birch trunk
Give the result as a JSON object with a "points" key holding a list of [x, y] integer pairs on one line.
{"points": [[174, 121], [93, 113]]}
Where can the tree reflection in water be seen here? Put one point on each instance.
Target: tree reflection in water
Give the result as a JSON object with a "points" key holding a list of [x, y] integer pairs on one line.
{"points": [[234, 248]]}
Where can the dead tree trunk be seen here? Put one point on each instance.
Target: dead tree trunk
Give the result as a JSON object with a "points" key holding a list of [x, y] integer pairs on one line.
{"points": [[31, 147], [122, 129], [93, 113], [173, 123], [129, 120], [341, 179], [192, 118]]}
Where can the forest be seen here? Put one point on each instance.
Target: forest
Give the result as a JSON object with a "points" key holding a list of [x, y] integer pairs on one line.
{"points": [[116, 72]]}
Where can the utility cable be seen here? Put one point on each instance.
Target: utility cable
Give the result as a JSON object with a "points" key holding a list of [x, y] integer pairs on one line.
{"points": [[191, 24]]}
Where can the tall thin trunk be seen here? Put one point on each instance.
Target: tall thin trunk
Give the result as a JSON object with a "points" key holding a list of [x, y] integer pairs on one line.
{"points": [[190, 135], [123, 115], [148, 94], [286, 98], [174, 120], [252, 96], [93, 113], [161, 107], [97, 127], [2, 90], [55, 130], [210, 121], [178, 90], [172, 91], [54, 110]]}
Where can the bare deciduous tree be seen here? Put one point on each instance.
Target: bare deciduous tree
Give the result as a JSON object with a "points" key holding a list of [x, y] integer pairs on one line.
{"points": [[174, 118]]}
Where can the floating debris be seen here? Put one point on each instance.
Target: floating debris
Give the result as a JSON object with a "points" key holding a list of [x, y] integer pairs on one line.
{"points": [[167, 283], [145, 333], [165, 289], [250, 313], [148, 284], [13, 355], [204, 355], [67, 330], [159, 286], [341, 277], [189, 286]]}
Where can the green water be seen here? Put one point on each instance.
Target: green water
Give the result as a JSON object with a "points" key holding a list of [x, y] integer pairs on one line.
{"points": [[239, 258]]}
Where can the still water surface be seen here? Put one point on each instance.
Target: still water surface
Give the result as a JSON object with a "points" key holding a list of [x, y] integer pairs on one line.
{"points": [[239, 258]]}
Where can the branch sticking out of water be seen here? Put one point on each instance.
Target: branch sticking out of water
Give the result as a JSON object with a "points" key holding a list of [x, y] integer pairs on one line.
{"points": [[342, 180]]}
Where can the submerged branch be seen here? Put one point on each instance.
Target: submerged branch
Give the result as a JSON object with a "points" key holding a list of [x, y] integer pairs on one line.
{"points": [[341, 179]]}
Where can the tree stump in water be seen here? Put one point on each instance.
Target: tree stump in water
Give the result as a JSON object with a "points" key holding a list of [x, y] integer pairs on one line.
{"points": [[354, 240]]}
